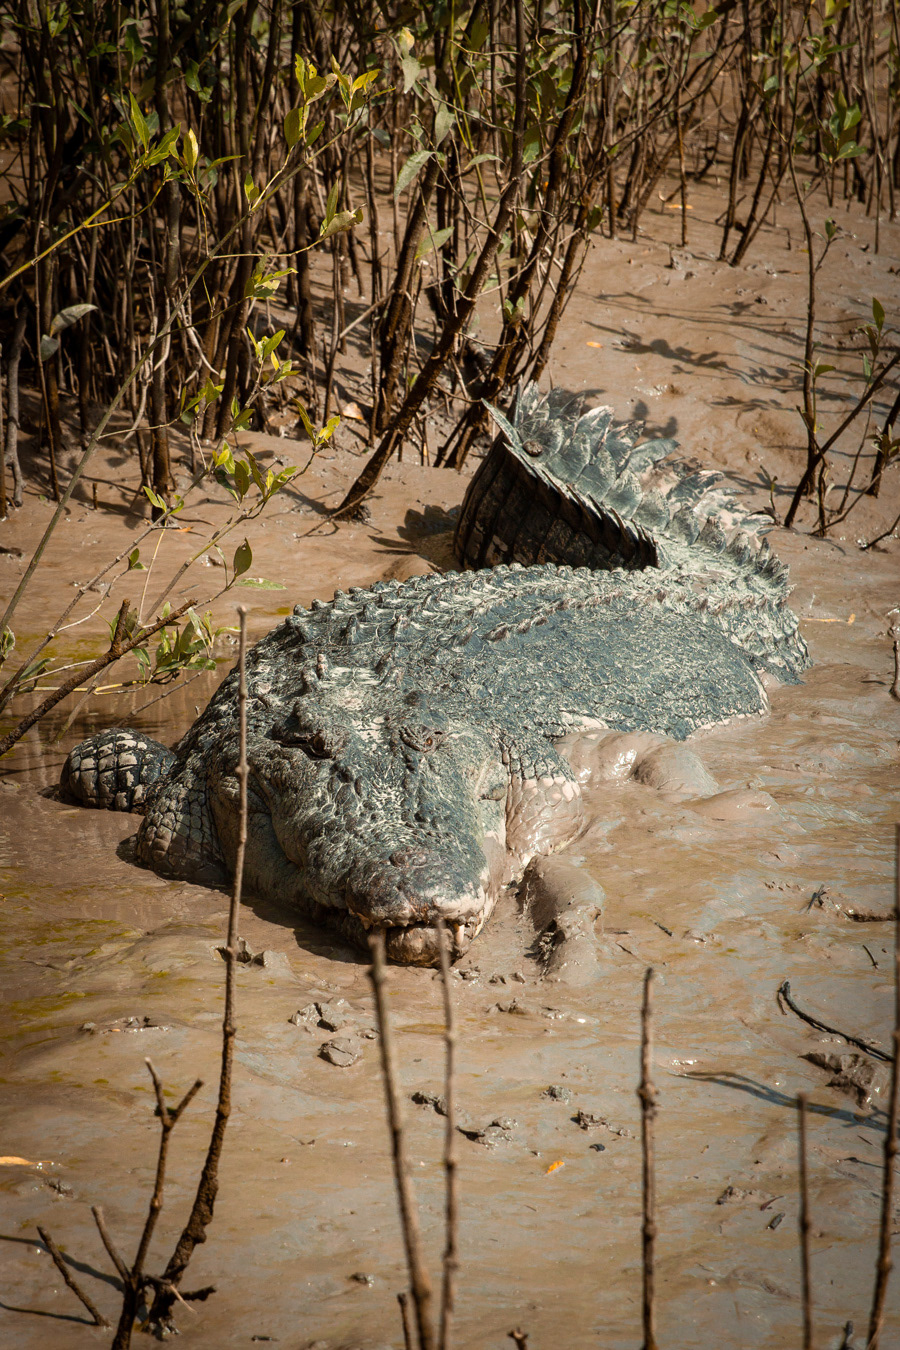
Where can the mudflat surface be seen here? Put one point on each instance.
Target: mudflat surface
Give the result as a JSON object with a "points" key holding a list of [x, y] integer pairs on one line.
{"points": [[104, 964]]}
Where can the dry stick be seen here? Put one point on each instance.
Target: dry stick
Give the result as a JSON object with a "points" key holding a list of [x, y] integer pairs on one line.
{"points": [[885, 1260], [114, 1254], [451, 1212], [60, 1262], [894, 633], [9, 451], [201, 1214], [135, 1278], [784, 992], [403, 1300], [804, 1228], [647, 1095], [409, 1217]]}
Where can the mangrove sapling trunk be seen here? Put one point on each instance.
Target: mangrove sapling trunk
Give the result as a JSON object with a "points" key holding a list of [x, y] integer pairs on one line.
{"points": [[10, 449], [804, 1226], [201, 1214], [443, 348], [135, 1280], [821, 451], [885, 1260], [420, 1284], [451, 1162], [647, 1096]]}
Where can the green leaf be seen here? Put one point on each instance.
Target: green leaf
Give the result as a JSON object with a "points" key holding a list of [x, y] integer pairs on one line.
{"points": [[307, 424], [293, 127], [139, 122], [339, 224], [329, 428], [331, 204], [48, 346], [411, 71], [878, 313], [224, 459], [250, 189], [254, 470], [363, 81], [444, 119], [410, 169], [154, 499], [134, 561], [243, 558], [532, 144], [241, 478], [260, 584], [191, 151], [477, 159], [433, 241]]}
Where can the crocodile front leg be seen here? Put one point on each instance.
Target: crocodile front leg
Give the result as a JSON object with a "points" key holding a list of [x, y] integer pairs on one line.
{"points": [[544, 809], [178, 837], [115, 770]]}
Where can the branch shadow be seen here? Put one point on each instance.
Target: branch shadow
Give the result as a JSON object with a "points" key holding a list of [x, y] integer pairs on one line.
{"points": [[739, 1082]]}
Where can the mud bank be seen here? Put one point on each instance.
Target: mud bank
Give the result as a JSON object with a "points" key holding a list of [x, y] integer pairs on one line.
{"points": [[104, 964]]}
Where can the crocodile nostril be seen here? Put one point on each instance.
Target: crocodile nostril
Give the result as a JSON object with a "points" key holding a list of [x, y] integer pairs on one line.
{"points": [[409, 857]]}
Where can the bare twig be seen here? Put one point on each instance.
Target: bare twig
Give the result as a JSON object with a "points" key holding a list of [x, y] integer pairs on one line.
{"points": [[806, 1291], [520, 1337], [894, 634], [403, 1300], [409, 1217], [885, 1260], [201, 1214], [114, 1254], [60, 1262], [647, 1095], [135, 1279], [784, 993], [451, 1212]]}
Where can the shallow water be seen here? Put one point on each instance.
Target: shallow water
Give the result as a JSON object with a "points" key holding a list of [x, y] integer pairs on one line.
{"points": [[717, 900]]}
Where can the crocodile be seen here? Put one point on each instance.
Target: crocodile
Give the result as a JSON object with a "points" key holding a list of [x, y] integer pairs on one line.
{"points": [[409, 744]]}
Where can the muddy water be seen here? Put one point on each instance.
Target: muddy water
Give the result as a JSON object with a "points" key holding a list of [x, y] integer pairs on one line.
{"points": [[104, 964]]}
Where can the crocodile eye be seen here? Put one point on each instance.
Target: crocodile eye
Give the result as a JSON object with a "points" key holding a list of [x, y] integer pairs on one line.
{"points": [[316, 746], [495, 794], [533, 448], [423, 739]]}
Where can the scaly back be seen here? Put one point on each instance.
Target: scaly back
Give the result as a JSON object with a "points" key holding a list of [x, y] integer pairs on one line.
{"points": [[576, 489]]}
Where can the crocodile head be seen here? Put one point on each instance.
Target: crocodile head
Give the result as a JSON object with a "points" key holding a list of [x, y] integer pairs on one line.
{"points": [[374, 805]]}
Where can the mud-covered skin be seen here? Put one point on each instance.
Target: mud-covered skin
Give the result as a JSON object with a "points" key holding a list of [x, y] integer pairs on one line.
{"points": [[408, 744], [401, 739]]}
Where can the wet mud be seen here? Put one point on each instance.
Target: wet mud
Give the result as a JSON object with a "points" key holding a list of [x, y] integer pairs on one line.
{"points": [[756, 877]]}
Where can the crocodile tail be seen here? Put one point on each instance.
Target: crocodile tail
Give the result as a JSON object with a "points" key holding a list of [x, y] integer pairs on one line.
{"points": [[568, 487]]}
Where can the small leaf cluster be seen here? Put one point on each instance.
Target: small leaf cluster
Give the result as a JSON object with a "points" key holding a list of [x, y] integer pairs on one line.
{"points": [[178, 650]]}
